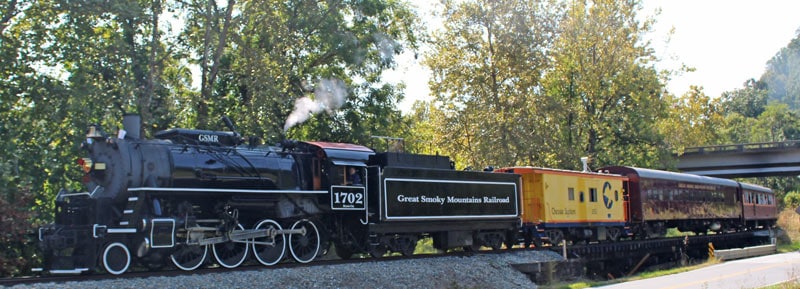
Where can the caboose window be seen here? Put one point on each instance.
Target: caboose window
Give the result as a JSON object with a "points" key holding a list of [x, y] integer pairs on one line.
{"points": [[581, 196], [593, 195], [571, 194]]}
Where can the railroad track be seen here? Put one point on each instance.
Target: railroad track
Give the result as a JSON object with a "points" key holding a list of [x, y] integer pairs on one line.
{"points": [[138, 272], [587, 252]]}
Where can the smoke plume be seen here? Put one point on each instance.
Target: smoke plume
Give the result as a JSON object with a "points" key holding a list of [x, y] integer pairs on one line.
{"points": [[329, 95]]}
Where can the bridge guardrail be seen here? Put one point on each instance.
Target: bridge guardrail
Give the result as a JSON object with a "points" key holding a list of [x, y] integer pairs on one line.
{"points": [[733, 254], [742, 147]]}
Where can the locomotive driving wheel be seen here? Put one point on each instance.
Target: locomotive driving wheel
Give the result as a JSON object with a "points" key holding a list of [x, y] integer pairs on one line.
{"points": [[116, 258], [269, 250], [188, 258], [231, 254], [304, 247]]}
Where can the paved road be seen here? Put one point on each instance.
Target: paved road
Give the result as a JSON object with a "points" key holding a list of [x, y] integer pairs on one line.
{"points": [[746, 273]]}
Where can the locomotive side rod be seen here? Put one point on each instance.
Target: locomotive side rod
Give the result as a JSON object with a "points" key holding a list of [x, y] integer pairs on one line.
{"points": [[244, 235]]}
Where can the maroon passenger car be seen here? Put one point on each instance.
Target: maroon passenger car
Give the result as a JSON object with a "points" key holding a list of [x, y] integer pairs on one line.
{"points": [[658, 200], [758, 206]]}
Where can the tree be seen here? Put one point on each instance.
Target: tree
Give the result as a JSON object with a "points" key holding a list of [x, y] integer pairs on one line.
{"points": [[287, 51], [783, 76], [776, 123], [606, 86], [487, 66], [748, 101], [694, 119], [67, 64], [207, 30]]}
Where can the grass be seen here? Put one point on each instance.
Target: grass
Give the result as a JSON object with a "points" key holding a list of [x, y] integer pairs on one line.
{"points": [[644, 275], [789, 236], [786, 285]]}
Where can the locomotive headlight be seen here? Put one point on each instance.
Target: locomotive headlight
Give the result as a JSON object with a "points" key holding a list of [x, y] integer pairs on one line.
{"points": [[87, 165]]}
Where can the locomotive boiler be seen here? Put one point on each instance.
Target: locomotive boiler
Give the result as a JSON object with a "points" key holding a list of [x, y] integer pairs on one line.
{"points": [[188, 195]]}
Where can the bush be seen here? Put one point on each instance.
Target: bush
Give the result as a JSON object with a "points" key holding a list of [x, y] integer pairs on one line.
{"points": [[792, 200], [16, 247]]}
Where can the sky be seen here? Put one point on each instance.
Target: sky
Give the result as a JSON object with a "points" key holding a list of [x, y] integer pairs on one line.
{"points": [[727, 42]]}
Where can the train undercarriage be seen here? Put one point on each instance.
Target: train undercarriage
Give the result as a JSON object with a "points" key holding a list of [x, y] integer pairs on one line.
{"points": [[155, 230], [377, 239]]}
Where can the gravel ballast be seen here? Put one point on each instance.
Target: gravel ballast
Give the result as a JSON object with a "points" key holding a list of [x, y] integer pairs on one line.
{"points": [[477, 271]]}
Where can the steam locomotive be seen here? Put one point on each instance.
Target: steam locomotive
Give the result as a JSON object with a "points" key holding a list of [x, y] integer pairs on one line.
{"points": [[170, 200]]}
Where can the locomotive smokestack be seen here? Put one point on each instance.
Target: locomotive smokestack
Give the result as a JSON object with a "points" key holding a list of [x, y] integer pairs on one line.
{"points": [[132, 123]]}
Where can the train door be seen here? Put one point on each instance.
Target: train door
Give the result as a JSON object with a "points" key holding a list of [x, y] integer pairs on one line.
{"points": [[626, 209], [316, 173], [348, 191]]}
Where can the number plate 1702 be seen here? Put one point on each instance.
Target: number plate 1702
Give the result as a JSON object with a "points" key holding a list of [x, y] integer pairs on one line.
{"points": [[348, 198]]}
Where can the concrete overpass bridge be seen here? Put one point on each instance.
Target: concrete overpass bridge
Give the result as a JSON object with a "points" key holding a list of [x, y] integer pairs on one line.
{"points": [[743, 160]]}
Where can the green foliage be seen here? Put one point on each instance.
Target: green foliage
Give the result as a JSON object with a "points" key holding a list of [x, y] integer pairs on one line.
{"points": [[782, 75], [284, 49], [606, 85], [792, 199], [748, 101], [693, 120], [538, 83], [487, 66], [15, 242]]}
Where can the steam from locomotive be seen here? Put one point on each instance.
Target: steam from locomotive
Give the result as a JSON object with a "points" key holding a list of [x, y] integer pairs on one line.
{"points": [[329, 95]]}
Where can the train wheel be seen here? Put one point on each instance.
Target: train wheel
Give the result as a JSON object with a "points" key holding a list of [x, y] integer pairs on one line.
{"points": [[406, 245], [377, 251], [231, 254], [613, 234], [477, 242], [268, 250], [537, 242], [188, 258], [556, 236], [512, 239], [304, 247], [495, 241], [342, 251], [116, 258]]}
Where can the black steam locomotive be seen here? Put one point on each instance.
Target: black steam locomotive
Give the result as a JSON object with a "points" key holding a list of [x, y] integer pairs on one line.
{"points": [[168, 201]]}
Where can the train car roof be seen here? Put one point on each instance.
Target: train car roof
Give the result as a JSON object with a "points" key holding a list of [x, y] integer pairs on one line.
{"points": [[345, 154], [754, 187], [521, 169], [666, 175]]}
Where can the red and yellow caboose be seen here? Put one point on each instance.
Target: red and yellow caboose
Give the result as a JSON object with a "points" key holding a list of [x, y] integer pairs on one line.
{"points": [[571, 205]]}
